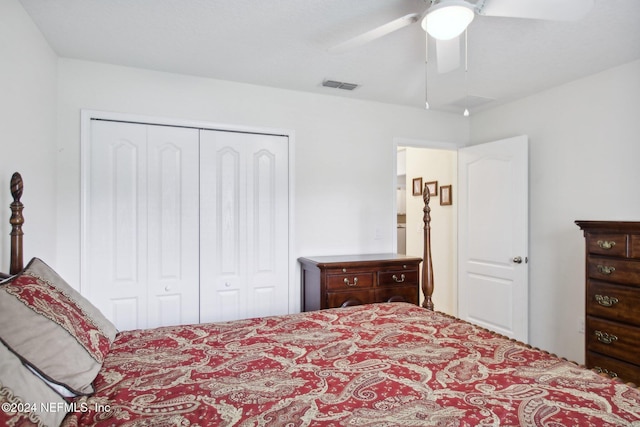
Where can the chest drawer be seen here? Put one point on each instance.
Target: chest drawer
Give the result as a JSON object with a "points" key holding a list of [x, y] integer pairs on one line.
{"points": [[614, 302], [347, 299], [614, 270], [613, 339], [397, 277], [398, 294], [607, 244], [344, 281], [613, 367]]}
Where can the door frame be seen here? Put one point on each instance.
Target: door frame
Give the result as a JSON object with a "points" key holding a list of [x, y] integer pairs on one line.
{"points": [[426, 144], [87, 115]]}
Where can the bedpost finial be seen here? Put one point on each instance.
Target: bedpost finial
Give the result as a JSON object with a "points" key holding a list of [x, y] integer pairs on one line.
{"points": [[426, 196], [16, 222], [16, 186]]}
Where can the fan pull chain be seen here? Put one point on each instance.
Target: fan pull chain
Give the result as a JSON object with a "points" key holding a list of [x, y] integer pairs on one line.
{"points": [[426, 71], [466, 72]]}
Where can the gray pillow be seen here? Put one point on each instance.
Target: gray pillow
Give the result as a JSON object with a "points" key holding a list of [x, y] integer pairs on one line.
{"points": [[25, 397], [53, 329]]}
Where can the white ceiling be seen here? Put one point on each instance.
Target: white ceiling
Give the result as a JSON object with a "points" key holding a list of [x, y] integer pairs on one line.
{"points": [[283, 43]]}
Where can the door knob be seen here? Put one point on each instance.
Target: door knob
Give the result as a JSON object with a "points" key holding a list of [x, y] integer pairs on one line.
{"points": [[517, 260]]}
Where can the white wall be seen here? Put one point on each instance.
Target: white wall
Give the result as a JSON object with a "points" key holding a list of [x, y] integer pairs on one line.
{"points": [[27, 129], [441, 166], [583, 164], [343, 148]]}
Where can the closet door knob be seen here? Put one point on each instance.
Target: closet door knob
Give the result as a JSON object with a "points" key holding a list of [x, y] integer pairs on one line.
{"points": [[517, 260]]}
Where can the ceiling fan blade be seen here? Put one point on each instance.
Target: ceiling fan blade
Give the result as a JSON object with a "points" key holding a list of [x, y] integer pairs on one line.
{"points": [[448, 54], [376, 33], [552, 10]]}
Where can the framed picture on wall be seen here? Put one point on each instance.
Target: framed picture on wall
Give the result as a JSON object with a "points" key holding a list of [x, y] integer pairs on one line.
{"points": [[445, 195], [433, 187], [417, 186]]}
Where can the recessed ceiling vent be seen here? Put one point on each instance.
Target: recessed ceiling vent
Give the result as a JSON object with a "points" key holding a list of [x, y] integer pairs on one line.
{"points": [[339, 85]]}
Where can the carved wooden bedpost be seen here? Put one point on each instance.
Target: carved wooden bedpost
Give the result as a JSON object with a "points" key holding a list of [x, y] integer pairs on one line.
{"points": [[427, 263], [16, 224]]}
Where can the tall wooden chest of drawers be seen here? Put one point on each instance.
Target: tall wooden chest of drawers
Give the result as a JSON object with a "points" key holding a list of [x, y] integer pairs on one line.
{"points": [[340, 281], [612, 333]]}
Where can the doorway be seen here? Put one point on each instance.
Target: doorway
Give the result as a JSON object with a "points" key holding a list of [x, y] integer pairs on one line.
{"points": [[419, 163]]}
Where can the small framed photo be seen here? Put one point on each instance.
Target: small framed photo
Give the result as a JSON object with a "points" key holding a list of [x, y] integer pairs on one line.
{"points": [[445, 195], [417, 186], [433, 187]]}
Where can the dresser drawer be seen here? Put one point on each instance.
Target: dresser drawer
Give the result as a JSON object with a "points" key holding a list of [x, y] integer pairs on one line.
{"points": [[614, 302], [627, 372], [345, 281], [607, 244], [397, 277], [398, 294], [614, 270], [346, 299], [613, 339]]}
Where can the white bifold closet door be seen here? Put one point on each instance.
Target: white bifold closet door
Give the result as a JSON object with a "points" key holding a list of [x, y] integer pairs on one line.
{"points": [[142, 224], [243, 225], [185, 225]]}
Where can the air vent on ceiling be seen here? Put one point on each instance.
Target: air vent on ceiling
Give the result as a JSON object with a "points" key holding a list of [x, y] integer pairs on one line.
{"points": [[339, 85]]}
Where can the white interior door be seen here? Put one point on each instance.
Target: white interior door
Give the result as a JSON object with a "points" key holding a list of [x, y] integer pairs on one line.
{"points": [[244, 225], [493, 236], [141, 243]]}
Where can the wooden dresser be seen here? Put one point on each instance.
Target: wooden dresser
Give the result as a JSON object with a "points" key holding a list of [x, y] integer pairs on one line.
{"points": [[612, 334], [340, 281]]}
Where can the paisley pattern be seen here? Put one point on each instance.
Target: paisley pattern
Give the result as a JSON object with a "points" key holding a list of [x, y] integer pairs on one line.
{"points": [[48, 301], [14, 418], [371, 365]]}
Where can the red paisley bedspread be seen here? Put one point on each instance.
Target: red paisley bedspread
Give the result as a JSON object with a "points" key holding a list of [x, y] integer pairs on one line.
{"points": [[372, 365]]}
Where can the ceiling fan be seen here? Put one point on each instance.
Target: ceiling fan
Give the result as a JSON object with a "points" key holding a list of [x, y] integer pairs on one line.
{"points": [[446, 20]]}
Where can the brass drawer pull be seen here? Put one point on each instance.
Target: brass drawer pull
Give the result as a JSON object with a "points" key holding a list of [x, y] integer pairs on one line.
{"points": [[605, 338], [606, 301], [605, 269], [605, 244], [355, 282], [605, 371], [400, 280]]}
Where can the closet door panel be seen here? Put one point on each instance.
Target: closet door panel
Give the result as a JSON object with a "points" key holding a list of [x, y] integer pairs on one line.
{"points": [[222, 227], [268, 223], [116, 245], [229, 207], [173, 229]]}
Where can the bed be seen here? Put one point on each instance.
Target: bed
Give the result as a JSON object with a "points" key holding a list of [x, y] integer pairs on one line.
{"points": [[382, 364]]}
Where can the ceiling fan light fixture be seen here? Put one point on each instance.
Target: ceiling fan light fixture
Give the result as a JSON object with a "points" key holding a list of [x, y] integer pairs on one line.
{"points": [[448, 19]]}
